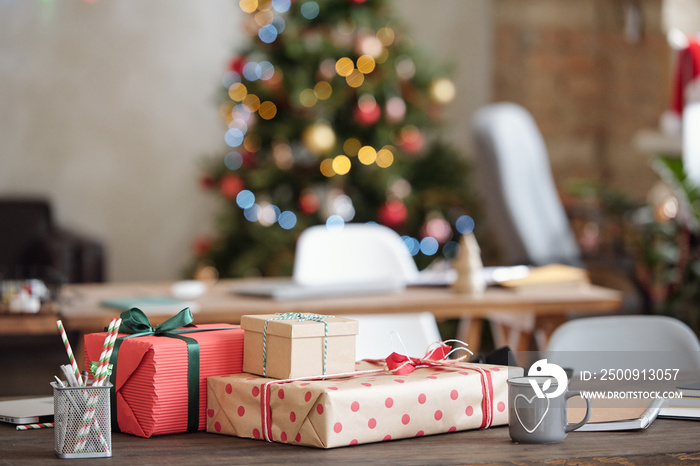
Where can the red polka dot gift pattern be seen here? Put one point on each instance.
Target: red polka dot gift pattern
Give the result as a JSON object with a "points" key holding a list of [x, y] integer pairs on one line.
{"points": [[370, 406]]}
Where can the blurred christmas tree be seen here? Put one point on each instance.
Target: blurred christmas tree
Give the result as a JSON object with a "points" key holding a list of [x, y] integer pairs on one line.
{"points": [[332, 117]]}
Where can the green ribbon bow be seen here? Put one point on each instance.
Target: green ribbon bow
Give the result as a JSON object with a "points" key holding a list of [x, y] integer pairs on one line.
{"points": [[135, 322]]}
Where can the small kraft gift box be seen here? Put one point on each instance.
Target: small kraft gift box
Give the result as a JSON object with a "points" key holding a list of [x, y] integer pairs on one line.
{"points": [[159, 373], [292, 345], [373, 405]]}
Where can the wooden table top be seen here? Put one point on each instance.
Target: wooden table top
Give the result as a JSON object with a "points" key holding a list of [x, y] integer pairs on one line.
{"points": [[81, 309], [664, 442]]}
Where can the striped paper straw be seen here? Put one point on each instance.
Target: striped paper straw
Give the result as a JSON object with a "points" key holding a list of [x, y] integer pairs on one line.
{"points": [[100, 377], [42, 425], [107, 349], [66, 343]]}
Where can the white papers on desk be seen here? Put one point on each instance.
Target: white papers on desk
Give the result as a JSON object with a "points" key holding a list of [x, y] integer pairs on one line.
{"points": [[681, 408]]}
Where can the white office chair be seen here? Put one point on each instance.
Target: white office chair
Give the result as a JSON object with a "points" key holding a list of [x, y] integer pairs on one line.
{"points": [[360, 254], [355, 253], [611, 342], [523, 208], [381, 334]]}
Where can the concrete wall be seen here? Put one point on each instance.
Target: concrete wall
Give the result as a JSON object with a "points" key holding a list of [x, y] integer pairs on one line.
{"points": [[107, 107]]}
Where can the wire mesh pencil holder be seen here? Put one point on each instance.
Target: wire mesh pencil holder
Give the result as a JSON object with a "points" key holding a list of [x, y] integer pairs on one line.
{"points": [[83, 425]]}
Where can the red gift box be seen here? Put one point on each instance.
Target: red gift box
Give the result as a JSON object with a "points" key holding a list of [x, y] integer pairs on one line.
{"points": [[151, 383], [364, 407]]}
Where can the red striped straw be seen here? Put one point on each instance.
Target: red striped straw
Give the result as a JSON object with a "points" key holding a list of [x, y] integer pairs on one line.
{"points": [[66, 343], [107, 349], [43, 425], [100, 377]]}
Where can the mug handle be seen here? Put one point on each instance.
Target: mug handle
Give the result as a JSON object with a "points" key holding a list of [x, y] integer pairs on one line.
{"points": [[589, 407]]}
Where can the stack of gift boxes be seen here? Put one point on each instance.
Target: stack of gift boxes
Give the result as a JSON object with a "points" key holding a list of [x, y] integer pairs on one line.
{"points": [[290, 378]]}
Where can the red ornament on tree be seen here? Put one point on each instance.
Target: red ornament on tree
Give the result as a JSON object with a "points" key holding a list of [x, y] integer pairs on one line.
{"points": [[411, 140], [367, 113], [392, 213], [201, 246], [207, 182], [231, 185], [237, 64]]}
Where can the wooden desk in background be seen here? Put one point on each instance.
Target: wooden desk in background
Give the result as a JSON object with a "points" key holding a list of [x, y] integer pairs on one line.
{"points": [[664, 442], [82, 313]]}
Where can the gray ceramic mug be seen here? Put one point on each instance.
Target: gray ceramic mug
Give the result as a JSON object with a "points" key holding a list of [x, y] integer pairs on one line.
{"points": [[532, 419]]}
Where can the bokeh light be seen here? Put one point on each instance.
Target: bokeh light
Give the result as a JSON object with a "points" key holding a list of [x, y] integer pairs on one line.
{"points": [[335, 222], [384, 158], [355, 78], [237, 91], [234, 137], [245, 199], [451, 250], [438, 228], [281, 6], [319, 138], [429, 246], [326, 168], [412, 244], [267, 34], [249, 6], [252, 143], [465, 224], [341, 164], [367, 155], [310, 10], [252, 214], [267, 70], [395, 109], [308, 98], [323, 90], [386, 36], [233, 160], [443, 91], [252, 71], [405, 68], [344, 66], [365, 64], [252, 101], [342, 205], [267, 110], [351, 146], [287, 220]]}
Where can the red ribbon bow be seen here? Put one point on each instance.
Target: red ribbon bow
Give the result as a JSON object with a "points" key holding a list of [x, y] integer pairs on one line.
{"points": [[400, 364]]}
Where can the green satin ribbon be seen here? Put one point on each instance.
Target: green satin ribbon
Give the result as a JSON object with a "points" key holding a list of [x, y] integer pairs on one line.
{"points": [[135, 322]]}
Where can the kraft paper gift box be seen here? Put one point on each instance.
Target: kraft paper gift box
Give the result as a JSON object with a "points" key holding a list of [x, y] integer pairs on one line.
{"points": [[156, 388], [364, 408], [292, 345]]}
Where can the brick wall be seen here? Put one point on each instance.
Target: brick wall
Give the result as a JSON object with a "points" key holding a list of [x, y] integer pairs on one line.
{"points": [[587, 85]]}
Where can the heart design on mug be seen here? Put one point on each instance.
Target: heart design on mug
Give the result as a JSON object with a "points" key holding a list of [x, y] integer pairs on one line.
{"points": [[529, 402]]}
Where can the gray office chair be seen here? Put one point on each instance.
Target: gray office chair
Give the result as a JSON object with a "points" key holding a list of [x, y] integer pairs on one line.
{"points": [[517, 187], [607, 342], [523, 209]]}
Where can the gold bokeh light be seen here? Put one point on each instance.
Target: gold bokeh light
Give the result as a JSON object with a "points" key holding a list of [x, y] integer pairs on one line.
{"points": [[344, 67], [385, 158], [355, 79], [367, 155], [341, 164], [352, 146], [307, 98], [237, 91], [323, 90], [365, 64], [267, 110], [327, 168], [252, 101], [249, 6]]}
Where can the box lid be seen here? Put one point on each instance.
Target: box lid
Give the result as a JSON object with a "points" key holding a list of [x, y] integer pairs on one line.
{"points": [[293, 327]]}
